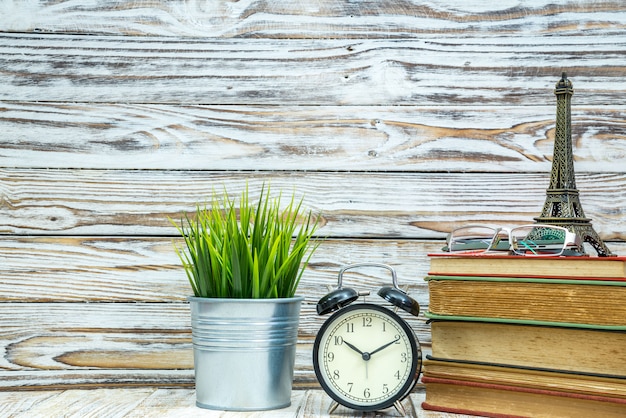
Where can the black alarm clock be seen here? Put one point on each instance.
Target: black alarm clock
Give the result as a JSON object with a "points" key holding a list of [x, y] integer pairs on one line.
{"points": [[365, 356]]}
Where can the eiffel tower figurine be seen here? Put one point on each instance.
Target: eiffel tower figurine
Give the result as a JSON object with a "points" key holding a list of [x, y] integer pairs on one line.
{"points": [[562, 206]]}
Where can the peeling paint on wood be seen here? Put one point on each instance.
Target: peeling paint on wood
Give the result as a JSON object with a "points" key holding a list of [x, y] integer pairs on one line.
{"points": [[396, 120]]}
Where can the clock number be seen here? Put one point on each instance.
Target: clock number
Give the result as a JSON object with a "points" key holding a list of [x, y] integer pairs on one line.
{"points": [[366, 358]]}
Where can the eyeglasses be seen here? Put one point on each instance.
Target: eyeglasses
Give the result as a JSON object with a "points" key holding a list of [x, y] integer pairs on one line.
{"points": [[531, 240]]}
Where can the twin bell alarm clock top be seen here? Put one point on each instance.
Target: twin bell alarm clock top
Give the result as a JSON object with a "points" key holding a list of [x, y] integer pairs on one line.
{"points": [[365, 356]]}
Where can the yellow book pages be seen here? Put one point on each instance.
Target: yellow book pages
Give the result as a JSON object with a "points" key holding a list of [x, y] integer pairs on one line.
{"points": [[527, 378], [554, 302], [449, 395], [556, 348], [478, 265]]}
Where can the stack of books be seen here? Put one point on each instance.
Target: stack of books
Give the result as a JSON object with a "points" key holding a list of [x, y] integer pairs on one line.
{"points": [[527, 336]]}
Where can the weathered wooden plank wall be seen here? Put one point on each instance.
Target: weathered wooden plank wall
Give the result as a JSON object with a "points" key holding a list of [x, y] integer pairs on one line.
{"points": [[396, 119]]}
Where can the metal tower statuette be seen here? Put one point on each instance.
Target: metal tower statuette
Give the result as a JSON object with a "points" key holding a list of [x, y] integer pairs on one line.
{"points": [[562, 206]]}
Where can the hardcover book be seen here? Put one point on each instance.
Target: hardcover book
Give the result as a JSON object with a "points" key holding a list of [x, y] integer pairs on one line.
{"points": [[592, 385], [590, 302], [581, 350], [497, 400], [484, 264]]}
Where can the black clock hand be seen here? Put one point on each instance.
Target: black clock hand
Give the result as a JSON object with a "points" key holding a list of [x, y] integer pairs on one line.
{"points": [[365, 355], [353, 347], [384, 346]]}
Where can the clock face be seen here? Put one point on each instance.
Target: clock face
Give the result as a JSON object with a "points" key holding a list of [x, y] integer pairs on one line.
{"points": [[366, 357]]}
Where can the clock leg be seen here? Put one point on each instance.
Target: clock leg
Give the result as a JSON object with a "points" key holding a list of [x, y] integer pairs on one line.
{"points": [[400, 408], [332, 407]]}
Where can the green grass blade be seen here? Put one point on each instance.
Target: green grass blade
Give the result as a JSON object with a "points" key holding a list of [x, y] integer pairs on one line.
{"points": [[250, 251]]}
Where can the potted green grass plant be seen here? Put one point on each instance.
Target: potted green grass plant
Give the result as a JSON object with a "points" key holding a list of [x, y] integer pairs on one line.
{"points": [[244, 262]]}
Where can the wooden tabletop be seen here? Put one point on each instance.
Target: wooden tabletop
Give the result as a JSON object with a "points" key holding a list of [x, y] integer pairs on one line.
{"points": [[158, 402]]}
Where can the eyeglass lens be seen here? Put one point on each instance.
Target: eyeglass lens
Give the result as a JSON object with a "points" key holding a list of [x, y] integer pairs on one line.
{"points": [[535, 240], [470, 238]]}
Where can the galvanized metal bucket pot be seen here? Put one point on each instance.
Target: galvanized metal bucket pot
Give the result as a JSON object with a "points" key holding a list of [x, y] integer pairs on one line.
{"points": [[244, 352]]}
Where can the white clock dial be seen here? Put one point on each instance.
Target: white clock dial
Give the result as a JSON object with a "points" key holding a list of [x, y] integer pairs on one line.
{"points": [[366, 357]]}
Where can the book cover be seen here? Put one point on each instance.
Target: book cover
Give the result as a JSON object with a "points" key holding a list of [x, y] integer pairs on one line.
{"points": [[489, 264], [567, 381], [591, 302], [495, 400], [544, 347]]}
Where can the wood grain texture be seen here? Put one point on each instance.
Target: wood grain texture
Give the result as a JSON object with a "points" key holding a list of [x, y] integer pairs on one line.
{"points": [[330, 138], [319, 19], [397, 120], [134, 329], [60, 345], [459, 71], [147, 270], [160, 402], [65, 324], [374, 205]]}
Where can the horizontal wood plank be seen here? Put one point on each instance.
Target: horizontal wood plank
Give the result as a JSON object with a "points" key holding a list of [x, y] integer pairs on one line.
{"points": [[144, 269], [44, 380], [363, 205], [40, 380], [399, 138], [180, 402], [321, 19], [59, 341], [396, 120], [54, 345], [460, 71]]}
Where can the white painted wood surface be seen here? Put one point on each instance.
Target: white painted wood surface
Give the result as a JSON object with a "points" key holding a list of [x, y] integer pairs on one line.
{"points": [[412, 138], [397, 120], [493, 71], [156, 402], [322, 18]]}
